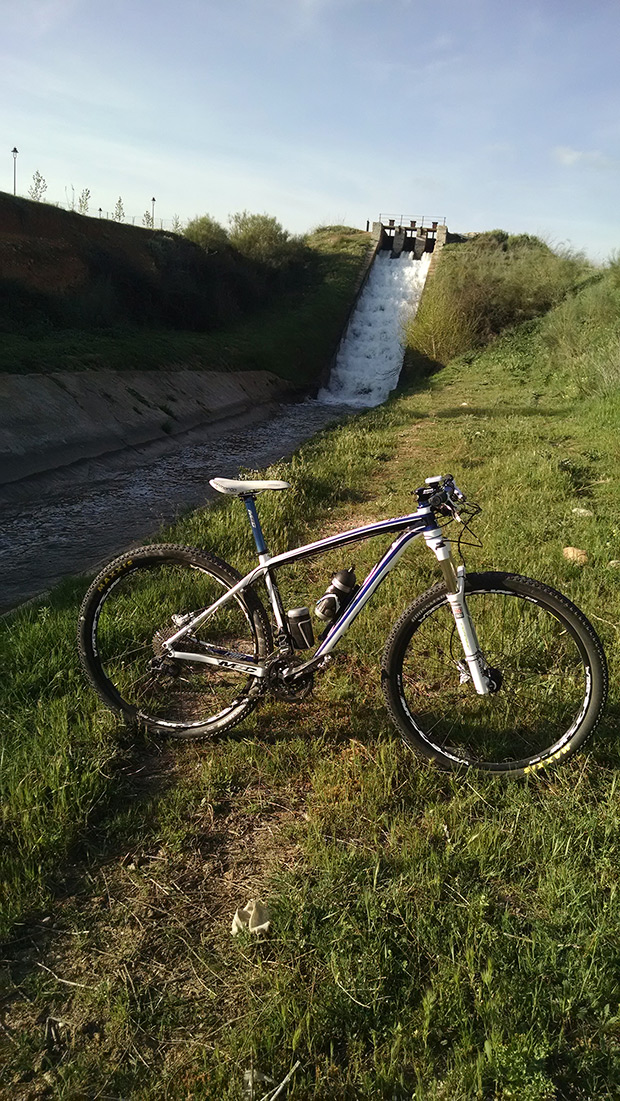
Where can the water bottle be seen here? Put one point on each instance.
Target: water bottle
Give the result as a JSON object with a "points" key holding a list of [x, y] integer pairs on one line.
{"points": [[300, 626], [336, 598]]}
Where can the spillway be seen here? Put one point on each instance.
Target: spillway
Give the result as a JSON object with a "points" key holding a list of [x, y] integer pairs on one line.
{"points": [[370, 357]]}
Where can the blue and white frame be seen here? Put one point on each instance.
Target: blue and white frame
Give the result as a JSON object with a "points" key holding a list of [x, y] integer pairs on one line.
{"points": [[421, 523]]}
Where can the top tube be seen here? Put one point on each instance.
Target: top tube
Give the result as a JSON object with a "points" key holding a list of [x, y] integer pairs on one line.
{"points": [[419, 522], [422, 520]]}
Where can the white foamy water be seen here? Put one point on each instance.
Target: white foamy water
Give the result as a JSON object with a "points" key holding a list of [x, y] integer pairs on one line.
{"points": [[370, 356]]}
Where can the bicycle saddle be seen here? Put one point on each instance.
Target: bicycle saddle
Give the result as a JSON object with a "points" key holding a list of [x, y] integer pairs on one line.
{"points": [[244, 489]]}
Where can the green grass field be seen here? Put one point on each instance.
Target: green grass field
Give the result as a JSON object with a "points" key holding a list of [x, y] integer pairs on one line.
{"points": [[432, 937]]}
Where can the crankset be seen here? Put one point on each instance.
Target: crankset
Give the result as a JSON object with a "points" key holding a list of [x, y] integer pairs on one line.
{"points": [[293, 691]]}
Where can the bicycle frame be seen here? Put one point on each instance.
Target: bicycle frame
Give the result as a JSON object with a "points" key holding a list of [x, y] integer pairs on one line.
{"points": [[421, 523]]}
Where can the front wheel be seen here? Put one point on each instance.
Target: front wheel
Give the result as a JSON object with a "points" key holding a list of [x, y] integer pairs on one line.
{"points": [[548, 670], [135, 605]]}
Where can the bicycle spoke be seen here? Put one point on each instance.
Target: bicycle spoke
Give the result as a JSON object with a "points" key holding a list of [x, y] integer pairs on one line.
{"points": [[157, 593]]}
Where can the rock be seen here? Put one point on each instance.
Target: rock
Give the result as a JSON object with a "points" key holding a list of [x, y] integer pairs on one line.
{"points": [[582, 512], [576, 555]]}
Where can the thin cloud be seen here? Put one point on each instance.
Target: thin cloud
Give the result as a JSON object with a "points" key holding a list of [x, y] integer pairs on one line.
{"points": [[568, 157], [308, 17]]}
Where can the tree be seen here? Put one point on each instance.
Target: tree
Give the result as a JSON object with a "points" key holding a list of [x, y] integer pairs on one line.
{"points": [[83, 201], [262, 238], [119, 211], [207, 233], [38, 187], [147, 220], [177, 224]]}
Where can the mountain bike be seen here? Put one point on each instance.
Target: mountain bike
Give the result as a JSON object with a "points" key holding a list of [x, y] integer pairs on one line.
{"points": [[490, 671]]}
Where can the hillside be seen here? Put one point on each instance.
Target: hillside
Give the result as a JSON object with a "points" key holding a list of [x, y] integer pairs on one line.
{"points": [[79, 292], [64, 270], [73, 394]]}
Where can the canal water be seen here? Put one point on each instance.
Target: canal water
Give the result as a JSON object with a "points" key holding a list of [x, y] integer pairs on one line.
{"points": [[77, 521], [75, 526]]}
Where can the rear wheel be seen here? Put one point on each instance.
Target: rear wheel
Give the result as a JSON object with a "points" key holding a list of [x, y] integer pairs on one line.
{"points": [[547, 667], [135, 605]]}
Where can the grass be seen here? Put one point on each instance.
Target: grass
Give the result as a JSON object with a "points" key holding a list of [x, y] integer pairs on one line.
{"points": [[582, 336], [432, 938], [487, 284], [293, 336]]}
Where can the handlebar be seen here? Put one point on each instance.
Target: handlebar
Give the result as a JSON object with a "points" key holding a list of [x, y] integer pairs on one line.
{"points": [[441, 495]]}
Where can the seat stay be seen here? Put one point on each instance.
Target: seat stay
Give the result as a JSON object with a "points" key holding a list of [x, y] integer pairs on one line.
{"points": [[206, 613]]}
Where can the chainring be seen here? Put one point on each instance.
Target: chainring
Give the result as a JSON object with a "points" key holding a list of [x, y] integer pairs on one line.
{"points": [[291, 691]]}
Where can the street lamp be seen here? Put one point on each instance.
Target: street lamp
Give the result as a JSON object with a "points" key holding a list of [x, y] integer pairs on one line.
{"points": [[153, 214], [15, 151]]}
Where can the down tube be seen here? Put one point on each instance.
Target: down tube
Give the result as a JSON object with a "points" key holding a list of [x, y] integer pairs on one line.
{"points": [[371, 583]]}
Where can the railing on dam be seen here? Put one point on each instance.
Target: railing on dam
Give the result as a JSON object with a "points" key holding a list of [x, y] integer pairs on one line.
{"points": [[405, 233], [406, 221]]}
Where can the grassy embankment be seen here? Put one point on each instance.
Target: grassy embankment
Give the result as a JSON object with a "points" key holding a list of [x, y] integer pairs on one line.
{"points": [[432, 937], [289, 334]]}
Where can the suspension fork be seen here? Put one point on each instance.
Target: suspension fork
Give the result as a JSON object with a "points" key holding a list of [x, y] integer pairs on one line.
{"points": [[454, 578]]}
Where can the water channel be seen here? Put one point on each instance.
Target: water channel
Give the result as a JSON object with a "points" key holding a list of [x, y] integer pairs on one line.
{"points": [[94, 511]]}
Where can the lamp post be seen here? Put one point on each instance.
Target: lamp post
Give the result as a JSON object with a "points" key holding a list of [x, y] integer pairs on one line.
{"points": [[15, 151], [153, 214]]}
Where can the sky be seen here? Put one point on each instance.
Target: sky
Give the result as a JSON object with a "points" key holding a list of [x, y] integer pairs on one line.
{"points": [[488, 113]]}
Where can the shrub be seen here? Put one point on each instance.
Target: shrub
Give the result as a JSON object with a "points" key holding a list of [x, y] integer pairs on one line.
{"points": [[487, 284], [207, 233], [261, 237]]}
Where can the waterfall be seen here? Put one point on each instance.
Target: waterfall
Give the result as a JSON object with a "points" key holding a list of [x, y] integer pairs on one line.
{"points": [[371, 353]]}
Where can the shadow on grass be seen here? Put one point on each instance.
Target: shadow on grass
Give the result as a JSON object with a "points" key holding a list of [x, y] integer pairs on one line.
{"points": [[417, 369], [604, 746]]}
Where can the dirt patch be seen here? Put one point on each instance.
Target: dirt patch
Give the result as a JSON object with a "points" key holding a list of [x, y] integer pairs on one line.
{"points": [[47, 266]]}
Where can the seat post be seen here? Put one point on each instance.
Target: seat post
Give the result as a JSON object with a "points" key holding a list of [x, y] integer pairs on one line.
{"points": [[249, 501]]}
